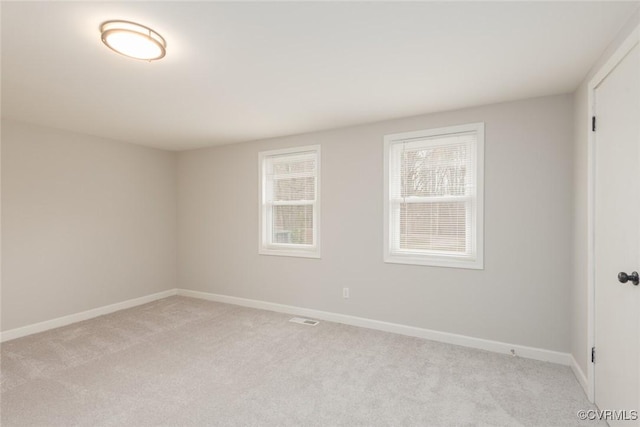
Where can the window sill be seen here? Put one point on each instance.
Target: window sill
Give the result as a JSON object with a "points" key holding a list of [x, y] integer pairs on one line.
{"points": [[448, 262], [290, 253]]}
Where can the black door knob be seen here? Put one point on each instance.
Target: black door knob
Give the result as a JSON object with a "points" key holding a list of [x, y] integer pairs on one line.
{"points": [[624, 277]]}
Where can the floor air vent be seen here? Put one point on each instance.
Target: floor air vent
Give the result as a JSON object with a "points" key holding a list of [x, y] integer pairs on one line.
{"points": [[304, 321]]}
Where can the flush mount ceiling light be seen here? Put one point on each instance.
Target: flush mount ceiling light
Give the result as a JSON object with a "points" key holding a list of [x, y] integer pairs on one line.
{"points": [[133, 40]]}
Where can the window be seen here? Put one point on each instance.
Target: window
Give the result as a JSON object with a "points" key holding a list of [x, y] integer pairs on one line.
{"points": [[290, 202], [433, 197]]}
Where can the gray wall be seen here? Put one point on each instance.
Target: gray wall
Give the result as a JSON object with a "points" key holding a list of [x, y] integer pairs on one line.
{"points": [[522, 295], [579, 250], [86, 222], [579, 309]]}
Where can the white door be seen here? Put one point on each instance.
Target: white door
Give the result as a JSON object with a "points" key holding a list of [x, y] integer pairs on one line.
{"points": [[617, 238]]}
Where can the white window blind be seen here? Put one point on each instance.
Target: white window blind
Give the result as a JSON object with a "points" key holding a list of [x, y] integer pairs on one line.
{"points": [[290, 202], [434, 189]]}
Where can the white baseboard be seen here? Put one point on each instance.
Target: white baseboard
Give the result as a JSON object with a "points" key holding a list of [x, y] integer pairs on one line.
{"points": [[445, 337], [84, 315], [580, 376]]}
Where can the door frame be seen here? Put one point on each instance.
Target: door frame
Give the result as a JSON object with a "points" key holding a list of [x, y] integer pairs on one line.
{"points": [[629, 43]]}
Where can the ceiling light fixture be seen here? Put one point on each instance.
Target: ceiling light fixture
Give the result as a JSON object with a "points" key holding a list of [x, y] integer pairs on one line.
{"points": [[133, 40]]}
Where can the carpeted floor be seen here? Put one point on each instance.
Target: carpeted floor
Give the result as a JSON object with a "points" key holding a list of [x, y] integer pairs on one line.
{"points": [[182, 361]]}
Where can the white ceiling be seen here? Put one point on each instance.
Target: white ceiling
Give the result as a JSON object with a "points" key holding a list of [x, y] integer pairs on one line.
{"points": [[244, 71]]}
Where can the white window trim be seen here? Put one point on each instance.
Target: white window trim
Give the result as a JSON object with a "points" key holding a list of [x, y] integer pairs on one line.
{"points": [[284, 249], [477, 223]]}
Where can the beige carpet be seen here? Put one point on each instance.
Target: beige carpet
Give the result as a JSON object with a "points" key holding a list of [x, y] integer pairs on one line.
{"points": [[182, 361]]}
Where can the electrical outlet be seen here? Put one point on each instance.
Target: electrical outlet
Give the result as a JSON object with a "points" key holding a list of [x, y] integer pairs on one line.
{"points": [[345, 292]]}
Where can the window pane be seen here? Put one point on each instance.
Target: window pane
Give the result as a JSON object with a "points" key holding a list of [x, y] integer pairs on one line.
{"points": [[294, 189], [438, 170], [284, 165], [290, 202], [293, 224], [434, 188], [433, 226]]}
